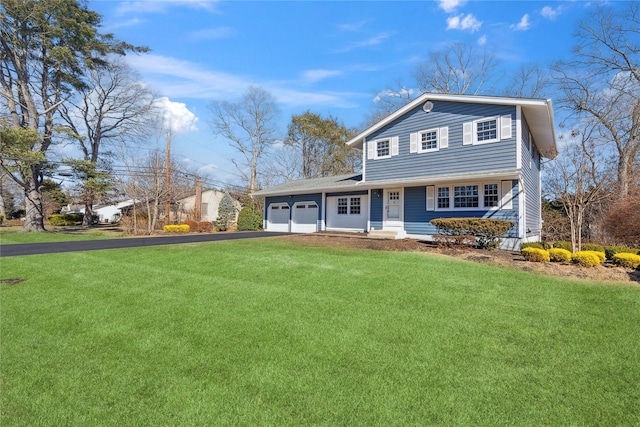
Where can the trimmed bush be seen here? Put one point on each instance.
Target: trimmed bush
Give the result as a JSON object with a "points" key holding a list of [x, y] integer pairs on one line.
{"points": [[193, 225], [535, 255], [610, 251], [487, 232], [249, 219], [65, 219], [180, 228], [626, 260], [593, 247], [205, 227], [586, 258], [559, 255], [563, 245]]}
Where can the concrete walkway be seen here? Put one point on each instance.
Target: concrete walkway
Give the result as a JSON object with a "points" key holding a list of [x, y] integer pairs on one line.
{"points": [[126, 242]]}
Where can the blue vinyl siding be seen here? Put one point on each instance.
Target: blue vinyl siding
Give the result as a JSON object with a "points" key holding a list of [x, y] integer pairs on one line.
{"points": [[291, 200], [531, 179], [375, 211], [416, 216], [452, 160]]}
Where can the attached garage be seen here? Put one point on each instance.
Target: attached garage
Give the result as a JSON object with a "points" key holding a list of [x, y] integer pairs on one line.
{"points": [[304, 218], [348, 212], [278, 217]]}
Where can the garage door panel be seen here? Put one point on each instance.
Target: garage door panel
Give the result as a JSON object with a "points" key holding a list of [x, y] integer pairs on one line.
{"points": [[278, 218], [304, 218]]}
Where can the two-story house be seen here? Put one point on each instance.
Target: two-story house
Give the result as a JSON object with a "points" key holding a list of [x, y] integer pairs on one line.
{"points": [[439, 156]]}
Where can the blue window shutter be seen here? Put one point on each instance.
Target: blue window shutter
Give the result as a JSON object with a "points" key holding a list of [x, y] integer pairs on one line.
{"points": [[467, 133]]}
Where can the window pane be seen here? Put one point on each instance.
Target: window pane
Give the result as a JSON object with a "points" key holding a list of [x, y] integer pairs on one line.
{"points": [[429, 140], [383, 148], [465, 196], [490, 195], [443, 197], [342, 206], [487, 130], [355, 206]]}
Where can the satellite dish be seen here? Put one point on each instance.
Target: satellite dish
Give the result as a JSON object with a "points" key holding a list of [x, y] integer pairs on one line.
{"points": [[428, 106]]}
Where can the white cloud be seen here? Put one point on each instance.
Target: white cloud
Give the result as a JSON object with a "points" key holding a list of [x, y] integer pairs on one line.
{"points": [[176, 116], [352, 27], [312, 76], [450, 5], [373, 41], [550, 13], [463, 22], [523, 25], [212, 33], [388, 93], [482, 40], [155, 6]]}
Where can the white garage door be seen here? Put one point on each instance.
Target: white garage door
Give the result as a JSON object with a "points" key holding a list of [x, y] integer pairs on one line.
{"points": [[347, 213], [278, 217], [304, 217]]}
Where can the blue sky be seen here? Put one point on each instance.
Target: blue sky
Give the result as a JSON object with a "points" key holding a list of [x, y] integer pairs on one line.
{"points": [[329, 57]]}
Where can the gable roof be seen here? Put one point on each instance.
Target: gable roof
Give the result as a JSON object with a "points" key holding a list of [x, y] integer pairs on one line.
{"points": [[539, 113]]}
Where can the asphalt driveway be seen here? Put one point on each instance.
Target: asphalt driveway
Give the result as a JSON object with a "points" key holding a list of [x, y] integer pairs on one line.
{"points": [[133, 242]]}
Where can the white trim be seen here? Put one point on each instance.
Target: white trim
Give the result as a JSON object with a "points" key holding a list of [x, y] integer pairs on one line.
{"points": [[506, 190], [467, 133], [364, 164], [395, 149], [369, 214], [443, 140], [393, 224], [475, 130], [375, 148], [481, 203], [505, 127], [518, 137], [431, 197], [437, 140], [323, 220], [522, 214]]}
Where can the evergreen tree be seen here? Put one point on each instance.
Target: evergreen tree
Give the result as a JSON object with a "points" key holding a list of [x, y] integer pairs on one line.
{"points": [[226, 213]]}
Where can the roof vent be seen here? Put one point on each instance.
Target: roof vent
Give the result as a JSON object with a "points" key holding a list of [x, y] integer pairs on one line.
{"points": [[428, 106]]}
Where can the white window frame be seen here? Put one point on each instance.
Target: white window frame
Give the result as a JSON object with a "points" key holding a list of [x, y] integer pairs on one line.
{"points": [[482, 120], [349, 205], [373, 148], [497, 195], [437, 141], [345, 206], [377, 148], [481, 197], [503, 130], [359, 205]]}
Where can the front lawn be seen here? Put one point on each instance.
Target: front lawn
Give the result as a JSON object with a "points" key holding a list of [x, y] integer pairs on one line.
{"points": [[263, 332], [11, 235]]}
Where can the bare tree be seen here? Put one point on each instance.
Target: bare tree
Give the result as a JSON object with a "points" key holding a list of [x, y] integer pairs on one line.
{"points": [[577, 180], [113, 105], [601, 84], [46, 46], [250, 127], [529, 81]]}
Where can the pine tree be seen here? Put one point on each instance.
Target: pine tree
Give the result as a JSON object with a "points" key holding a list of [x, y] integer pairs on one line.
{"points": [[226, 213]]}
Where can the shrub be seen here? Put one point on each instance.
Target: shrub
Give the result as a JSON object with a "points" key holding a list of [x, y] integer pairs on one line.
{"points": [[1, 218], [626, 260], [535, 255], [205, 227], [65, 219], [559, 255], [593, 247], [487, 232], [249, 219], [601, 256], [623, 221], [193, 225], [586, 258], [563, 245], [610, 251], [226, 213], [180, 228], [539, 245]]}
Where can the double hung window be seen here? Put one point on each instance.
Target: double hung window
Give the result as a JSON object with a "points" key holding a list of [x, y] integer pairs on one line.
{"points": [[465, 196]]}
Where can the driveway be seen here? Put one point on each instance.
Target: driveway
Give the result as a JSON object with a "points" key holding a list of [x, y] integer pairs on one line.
{"points": [[133, 242]]}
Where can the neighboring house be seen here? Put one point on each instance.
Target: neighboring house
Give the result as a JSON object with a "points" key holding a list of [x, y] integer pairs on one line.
{"points": [[105, 213], [440, 156], [208, 207]]}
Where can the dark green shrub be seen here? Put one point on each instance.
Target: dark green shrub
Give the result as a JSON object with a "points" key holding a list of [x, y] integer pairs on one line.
{"points": [[249, 219], [487, 232], [563, 245], [593, 247], [610, 251], [65, 219], [538, 245]]}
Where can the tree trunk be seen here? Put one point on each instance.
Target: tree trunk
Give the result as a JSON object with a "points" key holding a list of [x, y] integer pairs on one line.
{"points": [[87, 220], [34, 218]]}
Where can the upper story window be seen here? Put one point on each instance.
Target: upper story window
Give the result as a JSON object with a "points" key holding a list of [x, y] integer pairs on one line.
{"points": [[382, 148], [486, 130], [428, 140]]}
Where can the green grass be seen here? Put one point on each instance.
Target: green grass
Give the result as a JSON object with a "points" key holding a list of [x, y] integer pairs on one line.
{"points": [[267, 333], [11, 235]]}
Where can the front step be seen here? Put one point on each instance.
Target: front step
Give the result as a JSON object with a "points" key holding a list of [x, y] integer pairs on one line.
{"points": [[387, 234]]}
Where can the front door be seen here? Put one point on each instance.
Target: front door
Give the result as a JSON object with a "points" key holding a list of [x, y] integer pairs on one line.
{"points": [[393, 208]]}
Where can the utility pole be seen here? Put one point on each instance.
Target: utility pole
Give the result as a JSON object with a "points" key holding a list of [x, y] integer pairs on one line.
{"points": [[167, 204]]}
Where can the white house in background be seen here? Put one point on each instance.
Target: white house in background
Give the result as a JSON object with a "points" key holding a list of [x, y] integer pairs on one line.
{"points": [[208, 207], [106, 213]]}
